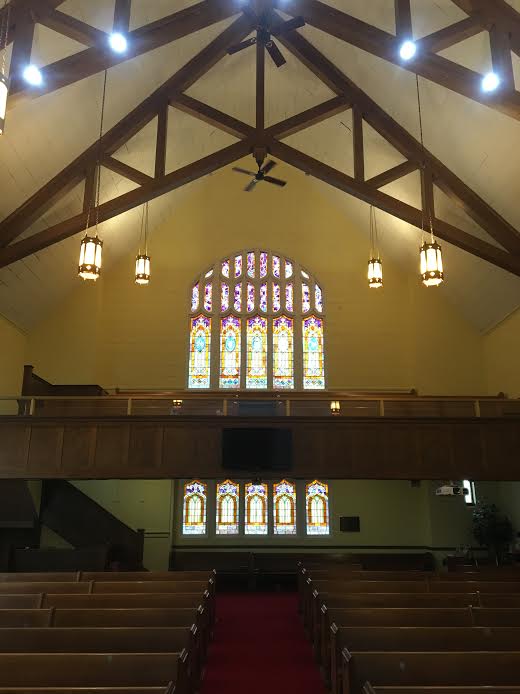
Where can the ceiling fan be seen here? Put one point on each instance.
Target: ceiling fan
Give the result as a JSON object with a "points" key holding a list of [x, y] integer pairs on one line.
{"points": [[261, 175], [264, 34]]}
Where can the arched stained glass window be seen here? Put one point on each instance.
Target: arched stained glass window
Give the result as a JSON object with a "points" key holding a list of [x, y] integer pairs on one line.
{"points": [[194, 510], [227, 508], [284, 508], [200, 353], [266, 314], [317, 508], [256, 509]]}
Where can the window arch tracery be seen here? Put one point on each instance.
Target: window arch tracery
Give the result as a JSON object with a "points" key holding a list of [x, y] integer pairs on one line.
{"points": [[317, 508], [257, 322], [194, 513]]}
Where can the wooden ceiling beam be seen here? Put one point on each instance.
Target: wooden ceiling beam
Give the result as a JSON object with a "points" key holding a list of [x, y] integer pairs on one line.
{"points": [[380, 43], [393, 174], [161, 140], [212, 116], [17, 10], [403, 19], [122, 12], [306, 119], [397, 208], [124, 203], [71, 27], [449, 36], [142, 40], [126, 171], [19, 220], [476, 208], [498, 13]]}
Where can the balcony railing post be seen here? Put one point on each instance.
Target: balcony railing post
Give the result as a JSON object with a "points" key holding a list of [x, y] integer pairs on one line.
{"points": [[129, 407], [32, 407], [477, 408], [287, 408], [381, 408]]}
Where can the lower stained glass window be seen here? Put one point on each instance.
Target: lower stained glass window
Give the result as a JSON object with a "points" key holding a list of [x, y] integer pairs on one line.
{"points": [[200, 352], [227, 508], [230, 352], [256, 374], [284, 508], [317, 508], [313, 361], [256, 509], [194, 511], [283, 353]]}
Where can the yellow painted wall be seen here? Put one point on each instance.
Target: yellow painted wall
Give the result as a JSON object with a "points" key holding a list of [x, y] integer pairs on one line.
{"points": [[374, 339], [12, 359], [502, 357]]}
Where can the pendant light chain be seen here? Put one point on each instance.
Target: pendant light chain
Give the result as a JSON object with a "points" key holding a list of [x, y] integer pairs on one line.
{"points": [[423, 156], [5, 33], [98, 167]]}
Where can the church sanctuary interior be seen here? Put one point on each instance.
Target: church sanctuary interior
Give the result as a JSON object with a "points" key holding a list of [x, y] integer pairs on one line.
{"points": [[259, 346]]}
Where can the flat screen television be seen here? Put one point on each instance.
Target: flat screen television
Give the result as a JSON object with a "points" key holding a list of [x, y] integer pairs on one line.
{"points": [[259, 448]]}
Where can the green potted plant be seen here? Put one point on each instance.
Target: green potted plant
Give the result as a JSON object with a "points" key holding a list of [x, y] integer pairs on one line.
{"points": [[492, 529]]}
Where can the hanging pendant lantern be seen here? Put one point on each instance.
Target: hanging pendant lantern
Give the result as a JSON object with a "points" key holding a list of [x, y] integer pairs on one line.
{"points": [[375, 273], [375, 265], [142, 269], [431, 267], [90, 257]]}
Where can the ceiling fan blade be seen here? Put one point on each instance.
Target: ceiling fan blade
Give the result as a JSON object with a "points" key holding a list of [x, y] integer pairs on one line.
{"points": [[240, 46], [275, 54], [243, 171], [251, 186], [275, 181], [269, 166], [290, 25]]}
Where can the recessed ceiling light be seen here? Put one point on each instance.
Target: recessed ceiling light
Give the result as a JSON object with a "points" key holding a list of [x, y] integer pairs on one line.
{"points": [[408, 50], [118, 42], [490, 82], [32, 75]]}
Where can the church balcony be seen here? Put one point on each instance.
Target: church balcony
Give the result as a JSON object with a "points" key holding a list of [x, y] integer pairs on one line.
{"points": [[179, 434]]}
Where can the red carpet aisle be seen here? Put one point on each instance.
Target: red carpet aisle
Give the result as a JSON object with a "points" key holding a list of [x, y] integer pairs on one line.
{"points": [[260, 647]]}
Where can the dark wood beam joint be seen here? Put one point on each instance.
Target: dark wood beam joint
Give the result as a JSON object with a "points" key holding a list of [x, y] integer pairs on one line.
{"points": [[162, 140], [403, 19], [359, 149], [122, 12]]}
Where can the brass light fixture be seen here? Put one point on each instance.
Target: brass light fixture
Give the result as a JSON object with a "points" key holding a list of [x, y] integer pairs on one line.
{"points": [[430, 252], [335, 407], [142, 262], [4, 80], [91, 249], [375, 265]]}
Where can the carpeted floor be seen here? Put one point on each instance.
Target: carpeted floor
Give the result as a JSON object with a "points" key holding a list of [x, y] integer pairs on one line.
{"points": [[260, 647]]}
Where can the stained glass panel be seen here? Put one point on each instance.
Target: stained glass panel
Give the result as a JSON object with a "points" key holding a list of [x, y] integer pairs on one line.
{"points": [[224, 297], [209, 273], [288, 269], [251, 264], [256, 374], [318, 298], [208, 291], [283, 353], [276, 297], [306, 298], [195, 297], [289, 297], [284, 508], [317, 508], [238, 265], [250, 297], [200, 351], [227, 508], [263, 297], [256, 509], [313, 361], [225, 268], [230, 352], [194, 510], [237, 304], [263, 264], [305, 275], [276, 265]]}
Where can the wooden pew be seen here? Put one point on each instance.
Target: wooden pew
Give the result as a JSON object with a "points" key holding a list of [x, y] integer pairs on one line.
{"points": [[149, 586], [20, 602], [439, 669], [368, 689], [89, 690], [25, 618], [60, 577], [102, 600], [13, 588], [126, 617], [26, 670], [146, 575], [358, 639]]}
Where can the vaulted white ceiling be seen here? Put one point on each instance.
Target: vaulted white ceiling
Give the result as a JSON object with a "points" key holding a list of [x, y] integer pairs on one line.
{"points": [[479, 144]]}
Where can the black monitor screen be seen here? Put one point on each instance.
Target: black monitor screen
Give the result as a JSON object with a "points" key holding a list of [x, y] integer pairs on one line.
{"points": [[257, 449]]}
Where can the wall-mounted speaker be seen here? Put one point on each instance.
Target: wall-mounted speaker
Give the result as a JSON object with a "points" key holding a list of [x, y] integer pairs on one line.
{"points": [[349, 524]]}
